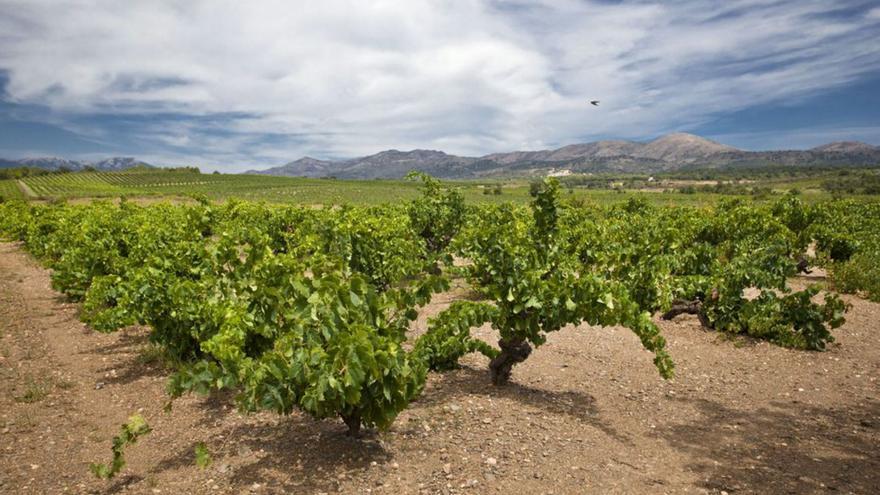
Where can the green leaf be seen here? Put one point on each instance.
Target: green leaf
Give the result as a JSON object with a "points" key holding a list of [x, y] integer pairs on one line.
{"points": [[608, 300]]}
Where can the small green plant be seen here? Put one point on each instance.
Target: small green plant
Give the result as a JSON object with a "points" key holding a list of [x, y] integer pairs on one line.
{"points": [[35, 391], [135, 428], [64, 384], [203, 456]]}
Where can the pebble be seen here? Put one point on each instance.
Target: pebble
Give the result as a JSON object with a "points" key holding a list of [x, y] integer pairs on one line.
{"points": [[492, 461]]}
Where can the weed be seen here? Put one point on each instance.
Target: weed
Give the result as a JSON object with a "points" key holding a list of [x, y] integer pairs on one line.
{"points": [[64, 384], [155, 355], [34, 391], [26, 420]]}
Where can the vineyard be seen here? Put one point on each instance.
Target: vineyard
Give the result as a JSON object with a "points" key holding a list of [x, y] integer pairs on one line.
{"points": [[115, 183], [292, 310], [150, 182], [180, 184], [9, 189], [184, 183]]}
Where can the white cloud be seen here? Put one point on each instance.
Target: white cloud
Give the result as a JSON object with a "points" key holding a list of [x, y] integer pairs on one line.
{"points": [[467, 76]]}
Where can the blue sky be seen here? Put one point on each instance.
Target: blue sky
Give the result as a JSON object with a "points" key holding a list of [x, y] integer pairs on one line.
{"points": [[234, 85]]}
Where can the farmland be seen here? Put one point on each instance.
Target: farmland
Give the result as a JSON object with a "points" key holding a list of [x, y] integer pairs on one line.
{"points": [[150, 185], [181, 184], [438, 344], [9, 189]]}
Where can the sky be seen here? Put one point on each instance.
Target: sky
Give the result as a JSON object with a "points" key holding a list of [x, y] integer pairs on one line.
{"points": [[238, 85]]}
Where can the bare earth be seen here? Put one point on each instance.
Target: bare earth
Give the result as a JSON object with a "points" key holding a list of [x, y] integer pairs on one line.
{"points": [[587, 413]]}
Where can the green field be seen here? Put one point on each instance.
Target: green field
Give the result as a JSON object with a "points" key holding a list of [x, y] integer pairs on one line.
{"points": [[215, 186], [155, 183], [165, 184], [9, 189]]}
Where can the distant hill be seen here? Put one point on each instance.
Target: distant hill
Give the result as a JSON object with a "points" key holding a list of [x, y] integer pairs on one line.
{"points": [[671, 152], [119, 163], [54, 163], [846, 147], [304, 167]]}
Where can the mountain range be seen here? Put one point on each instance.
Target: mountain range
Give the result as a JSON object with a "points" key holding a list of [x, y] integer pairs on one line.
{"points": [[53, 163], [669, 153], [672, 152]]}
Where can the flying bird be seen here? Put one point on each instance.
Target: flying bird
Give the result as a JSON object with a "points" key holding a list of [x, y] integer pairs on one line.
{"points": [[595, 103]]}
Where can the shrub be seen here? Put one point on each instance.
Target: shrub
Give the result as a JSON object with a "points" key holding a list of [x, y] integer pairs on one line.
{"points": [[861, 273]]}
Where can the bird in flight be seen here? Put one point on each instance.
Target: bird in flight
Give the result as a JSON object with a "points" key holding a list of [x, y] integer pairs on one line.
{"points": [[595, 103]]}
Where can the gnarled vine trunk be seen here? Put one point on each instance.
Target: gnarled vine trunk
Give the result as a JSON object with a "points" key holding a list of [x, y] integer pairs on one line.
{"points": [[353, 421], [803, 265], [512, 352], [681, 307]]}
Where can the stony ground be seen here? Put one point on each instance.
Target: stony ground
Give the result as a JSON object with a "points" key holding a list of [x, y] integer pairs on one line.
{"points": [[587, 413]]}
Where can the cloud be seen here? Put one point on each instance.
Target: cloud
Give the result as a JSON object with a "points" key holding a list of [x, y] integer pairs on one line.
{"points": [[237, 84]]}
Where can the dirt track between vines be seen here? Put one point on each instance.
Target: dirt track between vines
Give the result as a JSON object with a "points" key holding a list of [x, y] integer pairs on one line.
{"points": [[586, 413]]}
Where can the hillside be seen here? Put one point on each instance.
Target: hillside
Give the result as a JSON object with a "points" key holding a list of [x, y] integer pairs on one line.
{"points": [[671, 152], [304, 167], [54, 163]]}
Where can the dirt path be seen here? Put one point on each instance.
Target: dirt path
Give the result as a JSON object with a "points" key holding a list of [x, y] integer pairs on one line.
{"points": [[586, 413]]}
